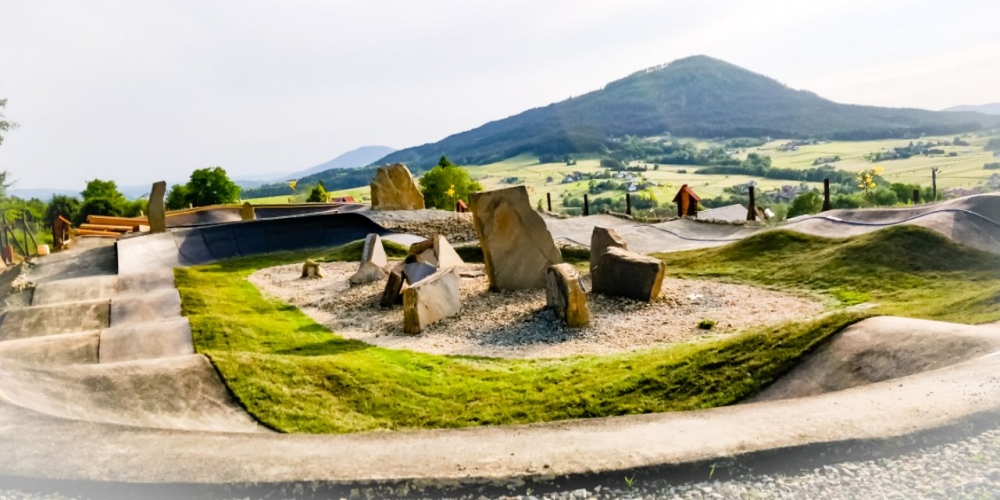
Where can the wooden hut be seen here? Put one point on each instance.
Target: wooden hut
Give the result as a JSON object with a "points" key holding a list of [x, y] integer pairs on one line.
{"points": [[687, 202]]}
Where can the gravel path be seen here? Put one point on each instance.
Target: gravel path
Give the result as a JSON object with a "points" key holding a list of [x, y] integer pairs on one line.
{"points": [[455, 227], [516, 324], [965, 469]]}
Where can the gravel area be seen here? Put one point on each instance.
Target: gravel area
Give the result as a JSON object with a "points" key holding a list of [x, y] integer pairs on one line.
{"points": [[456, 227], [964, 469], [517, 324]]}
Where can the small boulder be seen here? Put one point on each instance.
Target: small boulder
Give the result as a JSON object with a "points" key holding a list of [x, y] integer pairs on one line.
{"points": [[247, 212], [431, 300], [564, 293], [601, 240], [373, 262], [392, 294], [393, 188], [517, 247], [157, 217], [628, 274], [311, 269]]}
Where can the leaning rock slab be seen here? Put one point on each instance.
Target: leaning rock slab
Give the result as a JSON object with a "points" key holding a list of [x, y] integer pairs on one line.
{"points": [[392, 293], [627, 274], [430, 300], [373, 262], [393, 188], [157, 210], [437, 252], [564, 293], [517, 247], [601, 240]]}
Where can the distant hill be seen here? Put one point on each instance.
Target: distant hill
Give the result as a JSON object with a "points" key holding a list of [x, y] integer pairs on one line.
{"points": [[363, 156], [43, 194], [989, 109], [698, 97]]}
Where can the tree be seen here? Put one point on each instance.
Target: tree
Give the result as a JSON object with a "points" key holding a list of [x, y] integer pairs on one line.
{"points": [[177, 198], [5, 125], [66, 206], [211, 186], [809, 202], [445, 184], [101, 198], [867, 180], [318, 194]]}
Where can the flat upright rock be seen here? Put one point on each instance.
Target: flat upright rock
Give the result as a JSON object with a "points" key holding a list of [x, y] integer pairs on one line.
{"points": [[373, 262], [628, 274], [157, 209], [391, 295], [564, 293], [517, 247], [436, 251], [431, 300], [393, 188], [601, 240], [416, 271]]}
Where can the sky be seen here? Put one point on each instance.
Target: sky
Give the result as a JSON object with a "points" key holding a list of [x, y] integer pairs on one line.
{"points": [[143, 91]]}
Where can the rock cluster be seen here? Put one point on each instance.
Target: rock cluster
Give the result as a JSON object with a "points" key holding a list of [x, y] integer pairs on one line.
{"points": [[393, 188], [517, 247], [601, 240]]}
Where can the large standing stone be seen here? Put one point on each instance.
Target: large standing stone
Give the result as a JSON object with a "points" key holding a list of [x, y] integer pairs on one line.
{"points": [[517, 247], [393, 188], [431, 300], [628, 274], [373, 262], [247, 212], [564, 293], [157, 210], [601, 240]]}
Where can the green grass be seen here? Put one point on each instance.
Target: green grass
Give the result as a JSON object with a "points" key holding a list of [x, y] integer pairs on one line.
{"points": [[906, 270], [296, 376]]}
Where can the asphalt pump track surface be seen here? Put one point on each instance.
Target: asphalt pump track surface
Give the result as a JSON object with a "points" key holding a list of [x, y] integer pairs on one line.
{"points": [[100, 385]]}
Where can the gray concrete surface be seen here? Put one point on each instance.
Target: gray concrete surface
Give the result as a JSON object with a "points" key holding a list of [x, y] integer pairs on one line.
{"points": [[157, 305], [146, 340], [66, 317]]}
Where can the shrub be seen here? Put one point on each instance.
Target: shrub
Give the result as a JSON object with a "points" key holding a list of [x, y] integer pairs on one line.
{"points": [[706, 324]]}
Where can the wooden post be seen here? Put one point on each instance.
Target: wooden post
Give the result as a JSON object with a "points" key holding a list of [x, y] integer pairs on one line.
{"points": [[4, 244], [916, 196], [17, 244], [934, 172], [752, 211], [826, 195], [628, 203], [28, 234], [586, 205], [548, 196]]}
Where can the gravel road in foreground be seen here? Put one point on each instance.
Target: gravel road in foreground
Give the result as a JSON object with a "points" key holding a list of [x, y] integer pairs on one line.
{"points": [[969, 468]]}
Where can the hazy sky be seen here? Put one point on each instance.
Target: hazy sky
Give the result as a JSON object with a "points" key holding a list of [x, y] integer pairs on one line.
{"points": [[141, 91]]}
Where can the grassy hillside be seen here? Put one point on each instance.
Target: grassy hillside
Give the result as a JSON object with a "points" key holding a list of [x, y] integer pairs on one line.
{"points": [[696, 96]]}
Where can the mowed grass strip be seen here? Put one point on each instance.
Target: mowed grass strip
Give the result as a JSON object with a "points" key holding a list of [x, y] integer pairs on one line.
{"points": [[296, 376]]}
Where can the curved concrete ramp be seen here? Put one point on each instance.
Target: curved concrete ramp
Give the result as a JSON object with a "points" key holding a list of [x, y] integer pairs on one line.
{"points": [[67, 317], [172, 393], [880, 349], [202, 245], [972, 221], [65, 349], [206, 216], [147, 340]]}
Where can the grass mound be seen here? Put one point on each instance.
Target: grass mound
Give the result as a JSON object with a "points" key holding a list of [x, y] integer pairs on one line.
{"points": [[909, 270], [296, 376]]}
